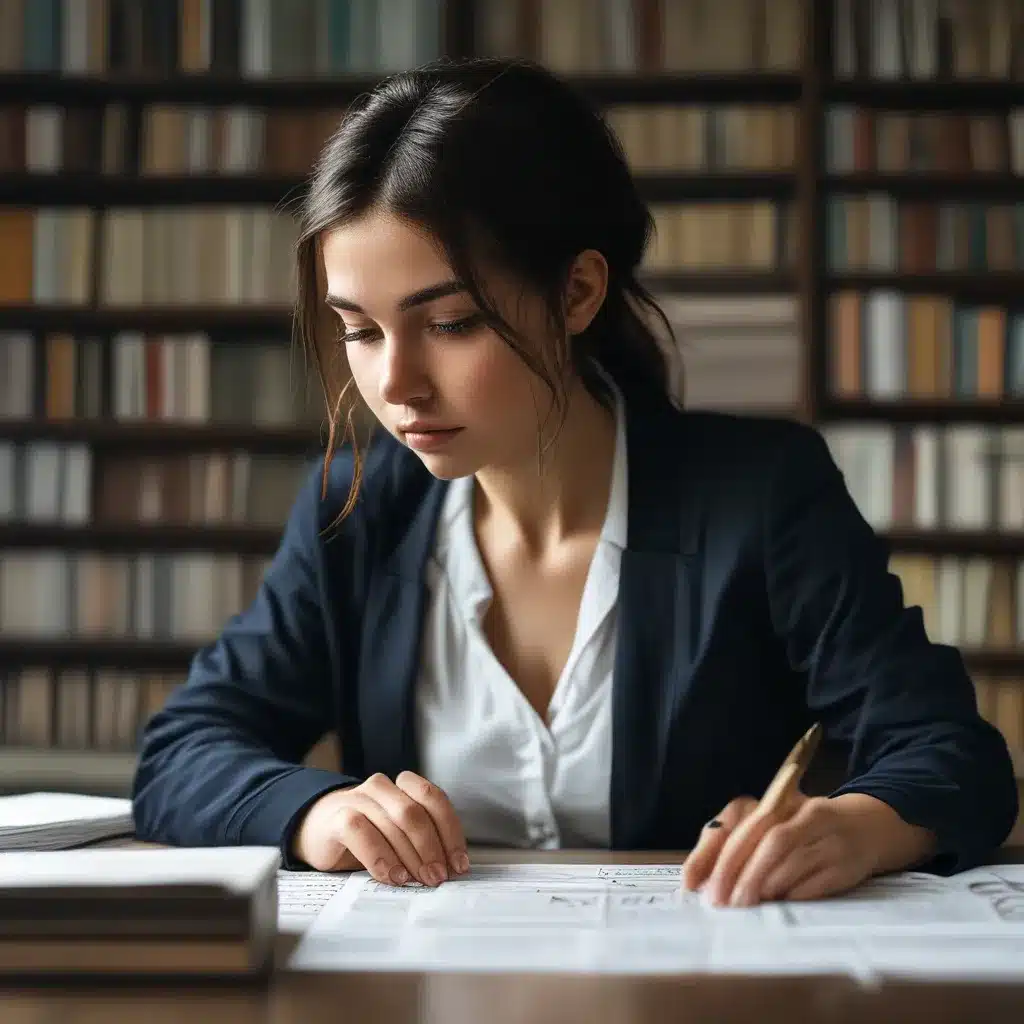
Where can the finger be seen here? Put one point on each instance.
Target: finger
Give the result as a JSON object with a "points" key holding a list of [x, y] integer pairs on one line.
{"points": [[359, 835], [738, 848], [823, 883], [804, 863], [701, 859], [415, 822], [391, 831], [437, 804], [781, 842]]}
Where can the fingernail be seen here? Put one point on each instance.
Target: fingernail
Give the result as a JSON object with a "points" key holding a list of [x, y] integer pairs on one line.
{"points": [[740, 898], [434, 874], [399, 875], [460, 862]]}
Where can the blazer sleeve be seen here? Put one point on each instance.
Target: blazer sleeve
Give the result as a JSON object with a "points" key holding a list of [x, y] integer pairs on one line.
{"points": [[220, 763], [905, 706]]}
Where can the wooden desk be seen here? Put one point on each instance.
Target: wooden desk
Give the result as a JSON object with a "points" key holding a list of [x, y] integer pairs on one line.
{"points": [[296, 998]]}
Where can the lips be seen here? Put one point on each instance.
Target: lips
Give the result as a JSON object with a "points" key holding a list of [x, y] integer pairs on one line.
{"points": [[428, 439]]}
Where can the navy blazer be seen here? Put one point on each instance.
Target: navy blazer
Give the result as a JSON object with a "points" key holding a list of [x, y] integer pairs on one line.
{"points": [[754, 599]]}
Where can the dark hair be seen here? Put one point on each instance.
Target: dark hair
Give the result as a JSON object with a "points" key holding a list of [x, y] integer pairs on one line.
{"points": [[502, 163]]}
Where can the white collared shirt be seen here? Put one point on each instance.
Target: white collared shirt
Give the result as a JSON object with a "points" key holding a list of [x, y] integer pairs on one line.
{"points": [[513, 779]]}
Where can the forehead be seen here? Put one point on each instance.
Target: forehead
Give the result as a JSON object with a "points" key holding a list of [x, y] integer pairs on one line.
{"points": [[378, 259]]}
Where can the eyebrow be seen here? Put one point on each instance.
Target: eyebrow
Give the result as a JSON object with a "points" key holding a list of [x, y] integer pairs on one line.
{"points": [[424, 295]]}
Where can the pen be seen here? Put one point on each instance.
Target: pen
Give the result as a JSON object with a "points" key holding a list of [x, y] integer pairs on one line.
{"points": [[790, 775]]}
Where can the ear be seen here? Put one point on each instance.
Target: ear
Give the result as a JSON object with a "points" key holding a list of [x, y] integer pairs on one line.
{"points": [[586, 289]]}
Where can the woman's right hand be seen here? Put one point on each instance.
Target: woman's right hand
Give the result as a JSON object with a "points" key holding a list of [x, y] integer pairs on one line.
{"points": [[401, 830]]}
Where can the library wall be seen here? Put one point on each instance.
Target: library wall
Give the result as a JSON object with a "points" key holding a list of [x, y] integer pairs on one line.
{"points": [[836, 188]]}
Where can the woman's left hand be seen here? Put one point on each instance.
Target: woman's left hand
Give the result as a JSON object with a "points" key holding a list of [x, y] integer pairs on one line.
{"points": [[813, 848]]}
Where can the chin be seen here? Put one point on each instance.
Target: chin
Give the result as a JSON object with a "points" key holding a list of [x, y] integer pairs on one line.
{"points": [[447, 467]]}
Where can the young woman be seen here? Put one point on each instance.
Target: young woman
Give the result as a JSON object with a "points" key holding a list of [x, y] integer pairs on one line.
{"points": [[546, 607]]}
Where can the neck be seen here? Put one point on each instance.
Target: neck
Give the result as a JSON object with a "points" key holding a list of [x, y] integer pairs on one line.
{"points": [[567, 493]]}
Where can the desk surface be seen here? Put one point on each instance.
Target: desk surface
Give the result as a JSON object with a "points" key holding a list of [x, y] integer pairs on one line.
{"points": [[295, 998]]}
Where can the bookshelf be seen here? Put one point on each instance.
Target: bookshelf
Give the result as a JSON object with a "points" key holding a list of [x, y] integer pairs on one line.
{"points": [[918, 345], [152, 130]]}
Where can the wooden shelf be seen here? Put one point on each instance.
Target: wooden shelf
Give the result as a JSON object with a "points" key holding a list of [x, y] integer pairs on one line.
{"points": [[1002, 286], [990, 543], [237, 538], [163, 436], [129, 654], [1005, 662], [603, 89], [833, 410], [275, 320], [925, 185], [101, 190], [935, 94], [79, 771], [27, 87]]}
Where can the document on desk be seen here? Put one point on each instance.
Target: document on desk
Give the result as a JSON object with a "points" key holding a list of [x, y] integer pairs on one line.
{"points": [[301, 895], [635, 919]]}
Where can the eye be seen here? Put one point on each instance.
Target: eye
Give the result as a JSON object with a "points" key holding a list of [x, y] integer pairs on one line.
{"points": [[455, 327], [350, 334]]}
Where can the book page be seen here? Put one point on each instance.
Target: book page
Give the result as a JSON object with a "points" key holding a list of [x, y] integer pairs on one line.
{"points": [[636, 919]]}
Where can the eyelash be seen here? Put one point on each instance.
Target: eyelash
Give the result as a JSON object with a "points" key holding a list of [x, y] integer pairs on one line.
{"points": [[448, 328]]}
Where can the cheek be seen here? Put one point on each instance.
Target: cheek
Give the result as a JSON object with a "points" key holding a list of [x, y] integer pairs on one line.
{"points": [[494, 383], [364, 378]]}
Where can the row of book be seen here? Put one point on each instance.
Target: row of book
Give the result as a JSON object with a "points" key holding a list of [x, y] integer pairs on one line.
{"points": [[887, 345], [184, 139], [104, 709], [212, 255], [666, 137], [737, 352], [186, 596], [859, 139], [926, 39], [250, 38], [234, 255], [973, 603], [684, 36], [79, 709], [131, 376], [47, 482], [191, 139], [755, 235], [877, 232], [315, 38], [965, 477], [163, 139]]}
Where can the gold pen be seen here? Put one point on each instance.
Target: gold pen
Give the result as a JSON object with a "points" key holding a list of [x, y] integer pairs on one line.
{"points": [[790, 775]]}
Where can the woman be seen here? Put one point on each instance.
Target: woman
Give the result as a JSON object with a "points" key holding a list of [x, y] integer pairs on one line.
{"points": [[546, 607]]}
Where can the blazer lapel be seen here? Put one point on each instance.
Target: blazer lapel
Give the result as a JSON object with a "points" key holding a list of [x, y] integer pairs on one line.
{"points": [[392, 626], [659, 612]]}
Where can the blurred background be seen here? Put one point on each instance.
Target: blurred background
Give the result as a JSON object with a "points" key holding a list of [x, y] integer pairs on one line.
{"points": [[840, 238]]}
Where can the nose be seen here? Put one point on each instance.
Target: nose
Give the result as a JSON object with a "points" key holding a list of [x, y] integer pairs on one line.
{"points": [[403, 378]]}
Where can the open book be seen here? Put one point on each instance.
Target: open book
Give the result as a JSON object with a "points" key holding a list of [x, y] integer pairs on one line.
{"points": [[58, 821]]}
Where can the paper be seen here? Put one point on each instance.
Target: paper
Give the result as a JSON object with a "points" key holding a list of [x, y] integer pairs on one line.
{"points": [[55, 821], [636, 920], [301, 895]]}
